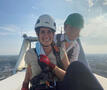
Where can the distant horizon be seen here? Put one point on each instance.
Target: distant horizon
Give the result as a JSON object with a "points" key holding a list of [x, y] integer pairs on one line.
{"points": [[85, 54]]}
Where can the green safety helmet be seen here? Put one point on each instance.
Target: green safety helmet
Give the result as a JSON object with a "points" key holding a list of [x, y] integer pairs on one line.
{"points": [[45, 21], [75, 20]]}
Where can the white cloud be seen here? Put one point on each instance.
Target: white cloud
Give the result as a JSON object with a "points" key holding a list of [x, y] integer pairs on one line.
{"points": [[94, 35], [96, 27], [9, 29]]}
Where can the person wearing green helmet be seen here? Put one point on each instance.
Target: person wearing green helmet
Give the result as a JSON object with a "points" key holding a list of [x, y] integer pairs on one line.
{"points": [[78, 76], [72, 27], [70, 39]]}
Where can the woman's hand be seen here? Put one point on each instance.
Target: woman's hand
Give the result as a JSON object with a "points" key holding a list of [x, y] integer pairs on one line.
{"points": [[44, 59]]}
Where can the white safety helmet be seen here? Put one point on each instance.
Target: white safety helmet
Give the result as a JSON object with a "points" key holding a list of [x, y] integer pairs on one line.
{"points": [[45, 21]]}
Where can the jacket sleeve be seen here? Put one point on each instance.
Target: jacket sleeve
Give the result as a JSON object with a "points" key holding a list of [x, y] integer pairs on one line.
{"points": [[76, 51]]}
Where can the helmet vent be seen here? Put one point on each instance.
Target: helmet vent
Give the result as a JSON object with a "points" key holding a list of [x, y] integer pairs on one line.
{"points": [[38, 21]]}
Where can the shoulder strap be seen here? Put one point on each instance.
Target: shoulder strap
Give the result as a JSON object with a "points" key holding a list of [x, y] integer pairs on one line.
{"points": [[42, 65], [70, 52], [56, 52]]}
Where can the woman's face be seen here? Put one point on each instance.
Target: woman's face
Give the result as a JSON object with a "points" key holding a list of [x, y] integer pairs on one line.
{"points": [[46, 36], [71, 32]]}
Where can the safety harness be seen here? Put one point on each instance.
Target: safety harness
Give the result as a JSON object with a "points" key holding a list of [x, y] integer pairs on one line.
{"points": [[59, 42], [46, 75]]}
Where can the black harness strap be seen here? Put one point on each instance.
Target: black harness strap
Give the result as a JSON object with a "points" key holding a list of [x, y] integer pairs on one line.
{"points": [[70, 52], [59, 42], [56, 52]]}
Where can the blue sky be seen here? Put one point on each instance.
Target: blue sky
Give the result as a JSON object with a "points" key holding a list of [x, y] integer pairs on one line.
{"points": [[19, 16]]}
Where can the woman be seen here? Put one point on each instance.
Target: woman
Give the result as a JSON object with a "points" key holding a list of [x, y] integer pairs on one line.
{"points": [[45, 28]]}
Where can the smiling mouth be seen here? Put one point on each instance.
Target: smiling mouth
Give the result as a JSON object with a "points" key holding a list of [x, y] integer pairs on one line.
{"points": [[46, 40]]}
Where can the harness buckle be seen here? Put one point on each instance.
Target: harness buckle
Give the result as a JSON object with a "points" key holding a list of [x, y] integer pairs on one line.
{"points": [[51, 84]]}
